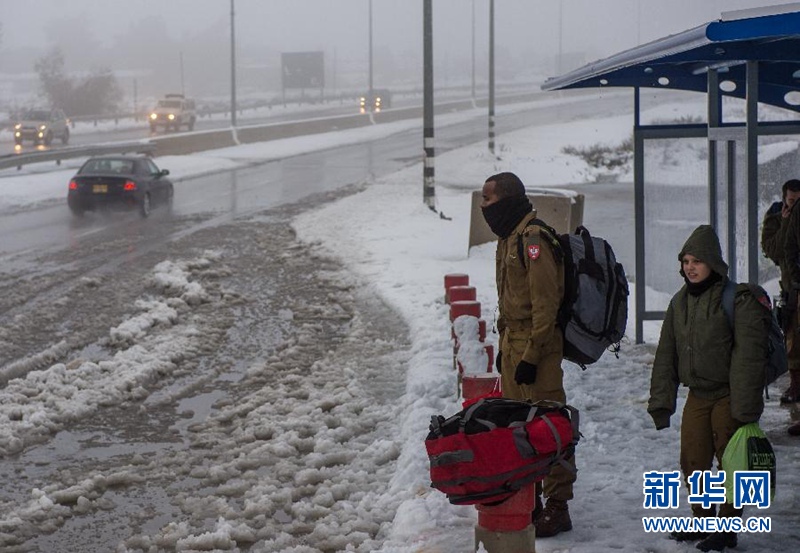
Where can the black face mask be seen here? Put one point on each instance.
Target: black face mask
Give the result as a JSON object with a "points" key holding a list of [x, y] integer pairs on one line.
{"points": [[504, 215]]}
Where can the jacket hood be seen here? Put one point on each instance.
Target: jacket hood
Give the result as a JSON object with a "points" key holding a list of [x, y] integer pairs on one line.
{"points": [[704, 245]]}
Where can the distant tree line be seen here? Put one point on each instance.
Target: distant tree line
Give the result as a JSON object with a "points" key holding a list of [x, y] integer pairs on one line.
{"points": [[97, 93]]}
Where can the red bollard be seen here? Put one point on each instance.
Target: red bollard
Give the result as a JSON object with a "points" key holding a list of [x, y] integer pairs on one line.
{"points": [[507, 528], [477, 385], [458, 308], [462, 293], [454, 279], [481, 331], [490, 353]]}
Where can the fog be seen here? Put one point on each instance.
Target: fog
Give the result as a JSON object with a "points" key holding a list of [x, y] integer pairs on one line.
{"points": [[154, 46]]}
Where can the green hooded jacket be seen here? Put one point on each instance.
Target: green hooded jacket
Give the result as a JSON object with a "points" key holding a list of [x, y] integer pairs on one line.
{"points": [[699, 349]]}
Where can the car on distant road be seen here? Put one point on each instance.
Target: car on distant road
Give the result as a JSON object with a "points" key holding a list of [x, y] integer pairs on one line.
{"points": [[119, 182], [173, 112], [41, 126], [375, 100]]}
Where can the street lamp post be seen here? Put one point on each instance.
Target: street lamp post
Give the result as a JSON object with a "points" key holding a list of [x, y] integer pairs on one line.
{"points": [[491, 76], [428, 190], [473, 52], [233, 70], [370, 49]]}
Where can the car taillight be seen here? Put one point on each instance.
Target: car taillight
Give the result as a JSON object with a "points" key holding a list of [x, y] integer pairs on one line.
{"points": [[73, 185], [129, 185]]}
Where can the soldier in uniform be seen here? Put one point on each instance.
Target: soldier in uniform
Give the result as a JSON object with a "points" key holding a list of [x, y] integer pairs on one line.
{"points": [[774, 231], [723, 368], [530, 287]]}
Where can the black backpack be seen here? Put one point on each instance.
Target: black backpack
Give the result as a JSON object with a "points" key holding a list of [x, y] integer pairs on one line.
{"points": [[594, 312], [777, 362]]}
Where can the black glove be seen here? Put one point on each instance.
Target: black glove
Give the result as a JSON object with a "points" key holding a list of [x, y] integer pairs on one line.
{"points": [[526, 373], [661, 418], [498, 362]]}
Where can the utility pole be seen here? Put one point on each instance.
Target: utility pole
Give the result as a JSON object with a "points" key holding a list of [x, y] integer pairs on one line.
{"points": [[428, 190], [473, 53], [183, 88], [491, 76], [233, 70], [561, 35], [370, 50]]}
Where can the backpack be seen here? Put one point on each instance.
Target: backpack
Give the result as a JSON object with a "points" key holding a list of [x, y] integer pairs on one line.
{"points": [[594, 312], [777, 362], [490, 450]]}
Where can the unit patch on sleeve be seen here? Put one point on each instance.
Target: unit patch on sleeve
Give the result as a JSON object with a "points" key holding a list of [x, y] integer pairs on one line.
{"points": [[533, 251]]}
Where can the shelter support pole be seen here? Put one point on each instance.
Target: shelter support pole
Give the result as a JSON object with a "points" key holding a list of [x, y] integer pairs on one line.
{"points": [[638, 200], [751, 142], [714, 120]]}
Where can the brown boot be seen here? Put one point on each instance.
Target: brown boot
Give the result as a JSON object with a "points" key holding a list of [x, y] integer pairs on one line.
{"points": [[792, 393], [794, 430], [554, 519]]}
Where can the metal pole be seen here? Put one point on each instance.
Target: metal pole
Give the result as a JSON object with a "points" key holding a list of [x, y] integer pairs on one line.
{"points": [[233, 70], [639, 222], [183, 88], [135, 101], [473, 50], [560, 34], [491, 76], [751, 125], [370, 49], [428, 190]]}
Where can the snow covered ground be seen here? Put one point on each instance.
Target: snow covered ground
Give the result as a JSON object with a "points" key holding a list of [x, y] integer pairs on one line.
{"points": [[392, 244]]}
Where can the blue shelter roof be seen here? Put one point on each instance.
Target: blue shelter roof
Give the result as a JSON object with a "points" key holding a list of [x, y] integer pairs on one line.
{"points": [[682, 61]]}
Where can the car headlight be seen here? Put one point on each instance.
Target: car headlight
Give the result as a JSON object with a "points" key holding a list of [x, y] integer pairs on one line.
{"points": [[153, 116], [42, 127], [171, 116], [18, 126]]}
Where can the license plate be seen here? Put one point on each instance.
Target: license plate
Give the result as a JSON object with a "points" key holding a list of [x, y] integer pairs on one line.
{"points": [[100, 188]]}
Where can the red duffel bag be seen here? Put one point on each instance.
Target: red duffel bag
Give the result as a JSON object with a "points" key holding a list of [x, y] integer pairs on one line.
{"points": [[486, 452]]}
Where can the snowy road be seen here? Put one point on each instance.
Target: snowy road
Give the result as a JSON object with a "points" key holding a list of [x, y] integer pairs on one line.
{"points": [[246, 365]]}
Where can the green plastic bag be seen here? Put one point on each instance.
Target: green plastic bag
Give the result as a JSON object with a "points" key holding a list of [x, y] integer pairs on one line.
{"points": [[748, 449]]}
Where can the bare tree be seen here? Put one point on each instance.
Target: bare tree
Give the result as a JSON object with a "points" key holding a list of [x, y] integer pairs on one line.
{"points": [[97, 93]]}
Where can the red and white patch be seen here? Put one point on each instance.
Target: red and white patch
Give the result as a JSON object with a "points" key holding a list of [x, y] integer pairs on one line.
{"points": [[533, 251]]}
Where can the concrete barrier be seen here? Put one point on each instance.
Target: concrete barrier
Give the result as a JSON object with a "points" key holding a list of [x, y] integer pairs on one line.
{"points": [[559, 208]]}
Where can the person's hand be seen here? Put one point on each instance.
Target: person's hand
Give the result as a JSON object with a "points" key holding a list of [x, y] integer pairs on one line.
{"points": [[525, 373], [498, 362], [661, 418], [785, 211]]}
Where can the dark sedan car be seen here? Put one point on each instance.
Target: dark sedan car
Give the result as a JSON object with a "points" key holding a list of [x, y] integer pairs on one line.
{"points": [[121, 181]]}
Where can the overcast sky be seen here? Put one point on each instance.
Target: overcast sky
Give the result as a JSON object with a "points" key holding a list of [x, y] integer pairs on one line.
{"points": [[97, 32]]}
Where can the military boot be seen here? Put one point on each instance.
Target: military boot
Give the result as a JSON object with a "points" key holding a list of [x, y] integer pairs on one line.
{"points": [[537, 509], [554, 519], [794, 429], [718, 541], [792, 393]]}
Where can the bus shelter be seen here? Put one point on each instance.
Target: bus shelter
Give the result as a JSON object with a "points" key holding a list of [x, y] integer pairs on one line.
{"points": [[753, 55]]}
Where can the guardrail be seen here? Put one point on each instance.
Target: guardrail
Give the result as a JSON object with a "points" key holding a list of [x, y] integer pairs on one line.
{"points": [[18, 160], [186, 143]]}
